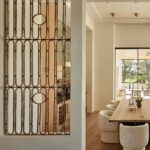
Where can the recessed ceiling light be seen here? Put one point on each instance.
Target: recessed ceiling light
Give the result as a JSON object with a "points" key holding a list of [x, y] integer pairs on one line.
{"points": [[136, 14], [112, 14]]}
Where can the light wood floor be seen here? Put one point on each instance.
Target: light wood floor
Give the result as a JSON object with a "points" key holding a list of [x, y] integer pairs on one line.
{"points": [[93, 136]]}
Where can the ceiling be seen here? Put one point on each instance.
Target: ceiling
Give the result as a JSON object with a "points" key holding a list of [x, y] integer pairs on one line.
{"points": [[123, 10]]}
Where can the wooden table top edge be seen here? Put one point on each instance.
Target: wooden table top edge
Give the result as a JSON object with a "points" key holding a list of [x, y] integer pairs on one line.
{"points": [[120, 121], [139, 119]]}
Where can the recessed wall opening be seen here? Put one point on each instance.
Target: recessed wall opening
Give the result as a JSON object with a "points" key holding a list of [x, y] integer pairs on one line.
{"points": [[37, 67]]}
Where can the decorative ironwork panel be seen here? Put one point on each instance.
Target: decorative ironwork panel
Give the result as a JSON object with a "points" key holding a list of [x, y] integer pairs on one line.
{"points": [[37, 67]]}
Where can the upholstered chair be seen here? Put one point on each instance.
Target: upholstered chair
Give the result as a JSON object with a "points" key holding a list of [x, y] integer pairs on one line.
{"points": [[111, 106], [134, 137], [115, 102], [108, 130]]}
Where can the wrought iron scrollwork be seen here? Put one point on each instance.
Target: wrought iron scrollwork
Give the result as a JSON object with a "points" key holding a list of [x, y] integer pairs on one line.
{"points": [[37, 46]]}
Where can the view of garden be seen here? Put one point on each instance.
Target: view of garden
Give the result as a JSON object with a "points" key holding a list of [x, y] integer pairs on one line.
{"points": [[135, 71]]}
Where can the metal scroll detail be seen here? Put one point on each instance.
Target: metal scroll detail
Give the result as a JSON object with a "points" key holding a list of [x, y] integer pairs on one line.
{"points": [[37, 67]]}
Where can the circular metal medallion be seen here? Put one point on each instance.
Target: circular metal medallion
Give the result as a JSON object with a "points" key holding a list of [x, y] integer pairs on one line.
{"points": [[39, 19], [39, 98]]}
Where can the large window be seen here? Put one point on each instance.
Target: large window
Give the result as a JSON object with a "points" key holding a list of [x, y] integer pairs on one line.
{"points": [[132, 70]]}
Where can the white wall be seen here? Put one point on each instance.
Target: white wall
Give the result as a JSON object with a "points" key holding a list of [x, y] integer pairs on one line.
{"points": [[107, 37], [89, 73], [90, 50], [132, 35], [103, 64]]}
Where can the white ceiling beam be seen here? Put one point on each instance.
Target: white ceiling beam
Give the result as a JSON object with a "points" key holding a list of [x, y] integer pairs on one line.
{"points": [[119, 20], [97, 11], [118, 0], [93, 12]]}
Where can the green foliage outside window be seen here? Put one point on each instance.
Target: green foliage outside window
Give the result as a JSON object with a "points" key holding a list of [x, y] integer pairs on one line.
{"points": [[135, 71]]}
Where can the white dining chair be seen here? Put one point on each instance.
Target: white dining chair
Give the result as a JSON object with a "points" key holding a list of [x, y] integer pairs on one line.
{"points": [[108, 130], [134, 137], [115, 102], [111, 106]]}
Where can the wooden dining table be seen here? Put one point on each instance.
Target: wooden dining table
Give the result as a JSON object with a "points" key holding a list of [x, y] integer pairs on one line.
{"points": [[124, 114]]}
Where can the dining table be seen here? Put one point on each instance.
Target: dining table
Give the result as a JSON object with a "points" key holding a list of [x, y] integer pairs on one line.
{"points": [[124, 113]]}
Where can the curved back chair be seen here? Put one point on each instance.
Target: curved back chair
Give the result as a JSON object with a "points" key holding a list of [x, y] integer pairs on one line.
{"points": [[109, 130], [134, 137], [115, 102], [111, 106]]}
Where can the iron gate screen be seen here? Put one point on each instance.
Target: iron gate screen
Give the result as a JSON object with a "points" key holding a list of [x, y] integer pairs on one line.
{"points": [[37, 67]]}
